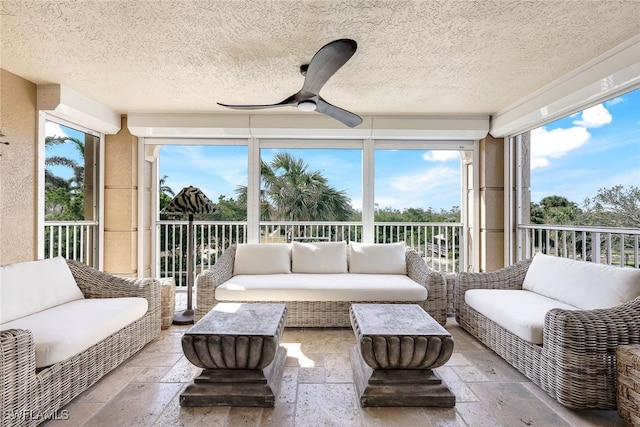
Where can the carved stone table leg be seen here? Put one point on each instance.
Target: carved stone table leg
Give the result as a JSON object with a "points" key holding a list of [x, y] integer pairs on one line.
{"points": [[237, 387], [398, 387], [238, 347], [398, 346]]}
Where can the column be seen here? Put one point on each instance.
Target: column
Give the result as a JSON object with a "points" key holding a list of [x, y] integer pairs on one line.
{"points": [[492, 235], [121, 203]]}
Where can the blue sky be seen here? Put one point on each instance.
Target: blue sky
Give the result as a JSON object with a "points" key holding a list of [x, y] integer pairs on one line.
{"points": [[598, 148], [572, 157]]}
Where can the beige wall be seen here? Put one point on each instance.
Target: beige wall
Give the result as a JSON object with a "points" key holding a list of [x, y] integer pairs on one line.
{"points": [[18, 169], [120, 203], [491, 170]]}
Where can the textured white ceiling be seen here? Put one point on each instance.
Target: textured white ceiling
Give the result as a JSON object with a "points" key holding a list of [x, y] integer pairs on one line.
{"points": [[414, 57]]}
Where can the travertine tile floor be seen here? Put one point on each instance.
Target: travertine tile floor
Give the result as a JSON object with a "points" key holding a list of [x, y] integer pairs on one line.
{"points": [[317, 390]]}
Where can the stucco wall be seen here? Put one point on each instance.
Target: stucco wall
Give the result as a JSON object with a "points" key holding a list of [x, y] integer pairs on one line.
{"points": [[121, 203], [491, 170], [18, 169]]}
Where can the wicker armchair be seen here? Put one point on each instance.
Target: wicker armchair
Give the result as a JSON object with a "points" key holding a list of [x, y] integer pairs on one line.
{"points": [[331, 314], [576, 364], [29, 396]]}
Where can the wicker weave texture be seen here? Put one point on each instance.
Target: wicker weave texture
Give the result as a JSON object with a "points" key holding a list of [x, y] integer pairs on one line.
{"points": [[168, 301], [576, 365], [327, 314], [29, 397], [628, 369]]}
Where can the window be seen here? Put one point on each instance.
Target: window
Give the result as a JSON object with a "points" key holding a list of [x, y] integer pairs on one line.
{"points": [[220, 171], [70, 198], [584, 185], [310, 185], [417, 185]]}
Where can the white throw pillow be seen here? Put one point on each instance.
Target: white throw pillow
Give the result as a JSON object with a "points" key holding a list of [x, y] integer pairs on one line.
{"points": [[586, 285], [389, 258], [321, 257], [265, 258], [29, 287]]}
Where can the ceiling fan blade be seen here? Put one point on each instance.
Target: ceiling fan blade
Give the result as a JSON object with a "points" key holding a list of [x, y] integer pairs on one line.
{"points": [[325, 63], [289, 101], [348, 118]]}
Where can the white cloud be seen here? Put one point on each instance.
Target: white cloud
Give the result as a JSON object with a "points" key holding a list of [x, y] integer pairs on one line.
{"points": [[417, 182], [441, 155], [436, 187], [614, 101], [594, 117], [53, 129], [555, 144]]}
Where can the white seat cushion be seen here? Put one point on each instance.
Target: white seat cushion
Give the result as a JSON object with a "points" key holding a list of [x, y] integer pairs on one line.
{"points": [[586, 285], [321, 257], [519, 312], [262, 258], [65, 330], [321, 287], [377, 258], [29, 287]]}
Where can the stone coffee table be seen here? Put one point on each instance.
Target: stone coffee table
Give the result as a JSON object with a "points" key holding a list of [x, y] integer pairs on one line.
{"points": [[397, 347], [238, 347]]}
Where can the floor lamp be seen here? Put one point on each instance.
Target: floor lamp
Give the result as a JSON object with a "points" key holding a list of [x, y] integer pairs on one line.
{"points": [[189, 201]]}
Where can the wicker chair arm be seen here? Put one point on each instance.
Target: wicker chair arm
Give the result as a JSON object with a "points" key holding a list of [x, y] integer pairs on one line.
{"points": [[17, 364], [510, 277], [431, 279], [591, 332], [97, 284], [208, 280]]}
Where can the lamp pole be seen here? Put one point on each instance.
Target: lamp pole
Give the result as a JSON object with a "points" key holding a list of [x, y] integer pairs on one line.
{"points": [[187, 317]]}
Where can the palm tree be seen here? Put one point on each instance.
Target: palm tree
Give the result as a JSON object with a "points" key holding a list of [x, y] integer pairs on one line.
{"points": [[64, 197], [291, 192], [166, 192]]}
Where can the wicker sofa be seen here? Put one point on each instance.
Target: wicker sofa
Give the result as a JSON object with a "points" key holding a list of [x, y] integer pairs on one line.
{"points": [[557, 321], [318, 282], [34, 385]]}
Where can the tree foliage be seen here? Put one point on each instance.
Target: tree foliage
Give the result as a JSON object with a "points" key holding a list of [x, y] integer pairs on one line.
{"points": [[554, 210], [292, 192], [64, 198], [614, 207], [618, 206], [417, 215]]}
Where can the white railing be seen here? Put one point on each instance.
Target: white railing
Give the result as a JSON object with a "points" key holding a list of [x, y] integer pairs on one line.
{"points": [[604, 245], [210, 240], [438, 243], [72, 240]]}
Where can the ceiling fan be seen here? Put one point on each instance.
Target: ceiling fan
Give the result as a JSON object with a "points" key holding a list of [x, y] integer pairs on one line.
{"points": [[323, 65]]}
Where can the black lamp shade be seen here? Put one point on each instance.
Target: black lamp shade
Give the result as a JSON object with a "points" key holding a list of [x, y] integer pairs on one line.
{"points": [[190, 200]]}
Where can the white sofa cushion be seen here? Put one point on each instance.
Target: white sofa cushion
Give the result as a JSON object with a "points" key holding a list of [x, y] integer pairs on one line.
{"points": [[29, 287], [65, 330], [377, 258], [583, 284], [321, 257], [518, 311], [321, 287], [262, 258]]}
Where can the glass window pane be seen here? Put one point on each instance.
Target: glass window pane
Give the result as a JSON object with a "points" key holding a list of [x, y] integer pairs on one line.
{"points": [[417, 185], [310, 185], [220, 171], [70, 157], [585, 168]]}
